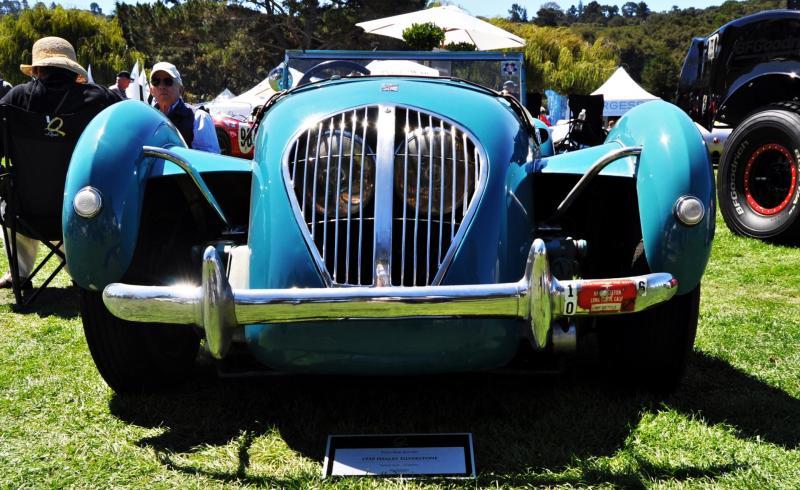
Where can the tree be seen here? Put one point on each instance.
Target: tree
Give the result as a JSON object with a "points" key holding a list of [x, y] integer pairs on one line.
{"points": [[517, 13], [97, 40], [660, 74], [558, 59], [460, 46], [423, 37], [235, 45], [592, 13], [550, 15], [572, 14], [609, 11], [629, 9], [642, 10], [95, 8]]}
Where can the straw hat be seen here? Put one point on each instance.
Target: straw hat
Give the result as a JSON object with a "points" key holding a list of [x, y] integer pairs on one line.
{"points": [[57, 52]]}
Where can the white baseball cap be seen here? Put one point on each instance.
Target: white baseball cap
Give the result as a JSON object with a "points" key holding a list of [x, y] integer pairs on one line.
{"points": [[169, 69]]}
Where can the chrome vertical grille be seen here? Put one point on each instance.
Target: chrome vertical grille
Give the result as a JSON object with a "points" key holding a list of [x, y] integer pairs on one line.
{"points": [[432, 172]]}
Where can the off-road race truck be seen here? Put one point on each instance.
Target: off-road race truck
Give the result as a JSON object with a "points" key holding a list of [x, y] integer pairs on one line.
{"points": [[746, 75]]}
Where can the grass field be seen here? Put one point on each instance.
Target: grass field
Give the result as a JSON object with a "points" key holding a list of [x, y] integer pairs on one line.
{"points": [[734, 423]]}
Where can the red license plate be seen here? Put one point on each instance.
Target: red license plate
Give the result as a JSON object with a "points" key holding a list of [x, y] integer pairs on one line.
{"points": [[608, 296]]}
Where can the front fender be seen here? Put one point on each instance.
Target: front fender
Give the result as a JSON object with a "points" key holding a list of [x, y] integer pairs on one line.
{"points": [[674, 163], [109, 157]]}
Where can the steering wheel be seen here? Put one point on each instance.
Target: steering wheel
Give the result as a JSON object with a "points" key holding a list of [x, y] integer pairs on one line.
{"points": [[332, 64]]}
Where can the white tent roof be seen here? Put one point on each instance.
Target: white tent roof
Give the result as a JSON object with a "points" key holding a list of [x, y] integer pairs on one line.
{"points": [[458, 25], [621, 94], [243, 104], [224, 95]]}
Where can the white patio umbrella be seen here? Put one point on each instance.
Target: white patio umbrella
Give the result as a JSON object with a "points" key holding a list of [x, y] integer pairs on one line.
{"points": [[400, 67], [458, 27]]}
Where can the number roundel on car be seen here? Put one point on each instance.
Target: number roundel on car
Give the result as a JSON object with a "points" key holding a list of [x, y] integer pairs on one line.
{"points": [[382, 193]]}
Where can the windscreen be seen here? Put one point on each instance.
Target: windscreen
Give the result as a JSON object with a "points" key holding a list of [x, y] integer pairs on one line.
{"points": [[497, 71]]}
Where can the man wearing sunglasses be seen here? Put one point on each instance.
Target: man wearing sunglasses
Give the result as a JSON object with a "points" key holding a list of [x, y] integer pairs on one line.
{"points": [[196, 127]]}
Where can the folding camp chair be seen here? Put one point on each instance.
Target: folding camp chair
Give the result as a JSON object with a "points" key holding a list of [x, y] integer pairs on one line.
{"points": [[37, 149], [586, 120]]}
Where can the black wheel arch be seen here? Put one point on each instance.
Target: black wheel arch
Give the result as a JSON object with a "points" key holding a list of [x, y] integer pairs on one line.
{"points": [[176, 221], [749, 95]]}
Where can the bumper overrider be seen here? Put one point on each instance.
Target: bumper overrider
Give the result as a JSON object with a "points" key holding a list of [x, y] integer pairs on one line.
{"points": [[538, 298]]}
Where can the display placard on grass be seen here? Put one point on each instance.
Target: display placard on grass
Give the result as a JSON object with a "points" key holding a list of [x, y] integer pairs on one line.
{"points": [[408, 455]]}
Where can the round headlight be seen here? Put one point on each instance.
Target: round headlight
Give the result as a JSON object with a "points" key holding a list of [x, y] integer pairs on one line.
{"points": [[689, 210], [429, 185], [343, 162], [87, 202]]}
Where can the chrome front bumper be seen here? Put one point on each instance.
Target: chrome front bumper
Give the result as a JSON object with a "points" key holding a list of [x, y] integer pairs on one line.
{"points": [[538, 298]]}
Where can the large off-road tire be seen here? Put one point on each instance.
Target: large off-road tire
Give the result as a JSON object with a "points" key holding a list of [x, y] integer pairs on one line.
{"points": [[758, 181], [649, 350], [136, 357]]}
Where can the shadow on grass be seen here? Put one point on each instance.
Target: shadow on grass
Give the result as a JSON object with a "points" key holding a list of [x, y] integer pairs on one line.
{"points": [[52, 301], [518, 422]]}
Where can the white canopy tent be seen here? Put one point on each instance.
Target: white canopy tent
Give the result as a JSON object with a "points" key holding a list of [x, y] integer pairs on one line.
{"points": [[621, 94], [224, 95], [243, 104], [458, 27]]}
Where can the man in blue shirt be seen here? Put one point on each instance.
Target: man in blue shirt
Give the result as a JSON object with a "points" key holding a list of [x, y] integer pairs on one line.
{"points": [[196, 127]]}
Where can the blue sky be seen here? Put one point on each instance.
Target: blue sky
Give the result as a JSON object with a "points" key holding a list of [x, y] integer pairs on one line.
{"points": [[488, 8]]}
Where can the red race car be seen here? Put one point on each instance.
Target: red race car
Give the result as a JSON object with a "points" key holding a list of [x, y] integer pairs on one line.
{"points": [[233, 135]]}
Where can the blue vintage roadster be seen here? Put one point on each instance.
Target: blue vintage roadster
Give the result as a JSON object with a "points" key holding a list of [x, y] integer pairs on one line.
{"points": [[389, 224]]}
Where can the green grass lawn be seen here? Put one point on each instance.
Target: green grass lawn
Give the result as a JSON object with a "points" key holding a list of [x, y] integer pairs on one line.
{"points": [[734, 423]]}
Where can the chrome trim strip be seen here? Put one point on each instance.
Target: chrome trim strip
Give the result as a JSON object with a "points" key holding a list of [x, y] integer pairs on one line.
{"points": [[430, 199], [314, 190], [416, 200], [406, 132], [590, 174], [163, 153], [337, 197], [537, 298], [305, 174], [349, 197], [364, 146], [442, 177], [384, 197], [453, 200], [331, 130], [466, 178]]}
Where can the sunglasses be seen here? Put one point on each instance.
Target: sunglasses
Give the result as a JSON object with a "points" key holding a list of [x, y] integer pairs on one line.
{"points": [[155, 82]]}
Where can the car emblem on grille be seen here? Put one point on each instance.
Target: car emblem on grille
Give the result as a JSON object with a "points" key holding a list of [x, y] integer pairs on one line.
{"points": [[390, 87]]}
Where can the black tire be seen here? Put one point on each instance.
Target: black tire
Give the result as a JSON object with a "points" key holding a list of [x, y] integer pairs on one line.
{"points": [[224, 142], [649, 350], [758, 181], [136, 357]]}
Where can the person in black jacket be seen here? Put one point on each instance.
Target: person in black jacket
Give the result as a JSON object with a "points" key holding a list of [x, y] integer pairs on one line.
{"points": [[123, 80], [196, 127], [57, 87]]}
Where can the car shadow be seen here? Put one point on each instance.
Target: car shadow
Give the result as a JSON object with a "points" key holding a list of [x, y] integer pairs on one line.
{"points": [[518, 422]]}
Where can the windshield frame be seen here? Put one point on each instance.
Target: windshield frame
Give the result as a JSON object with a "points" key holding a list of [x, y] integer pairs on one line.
{"points": [[458, 56]]}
